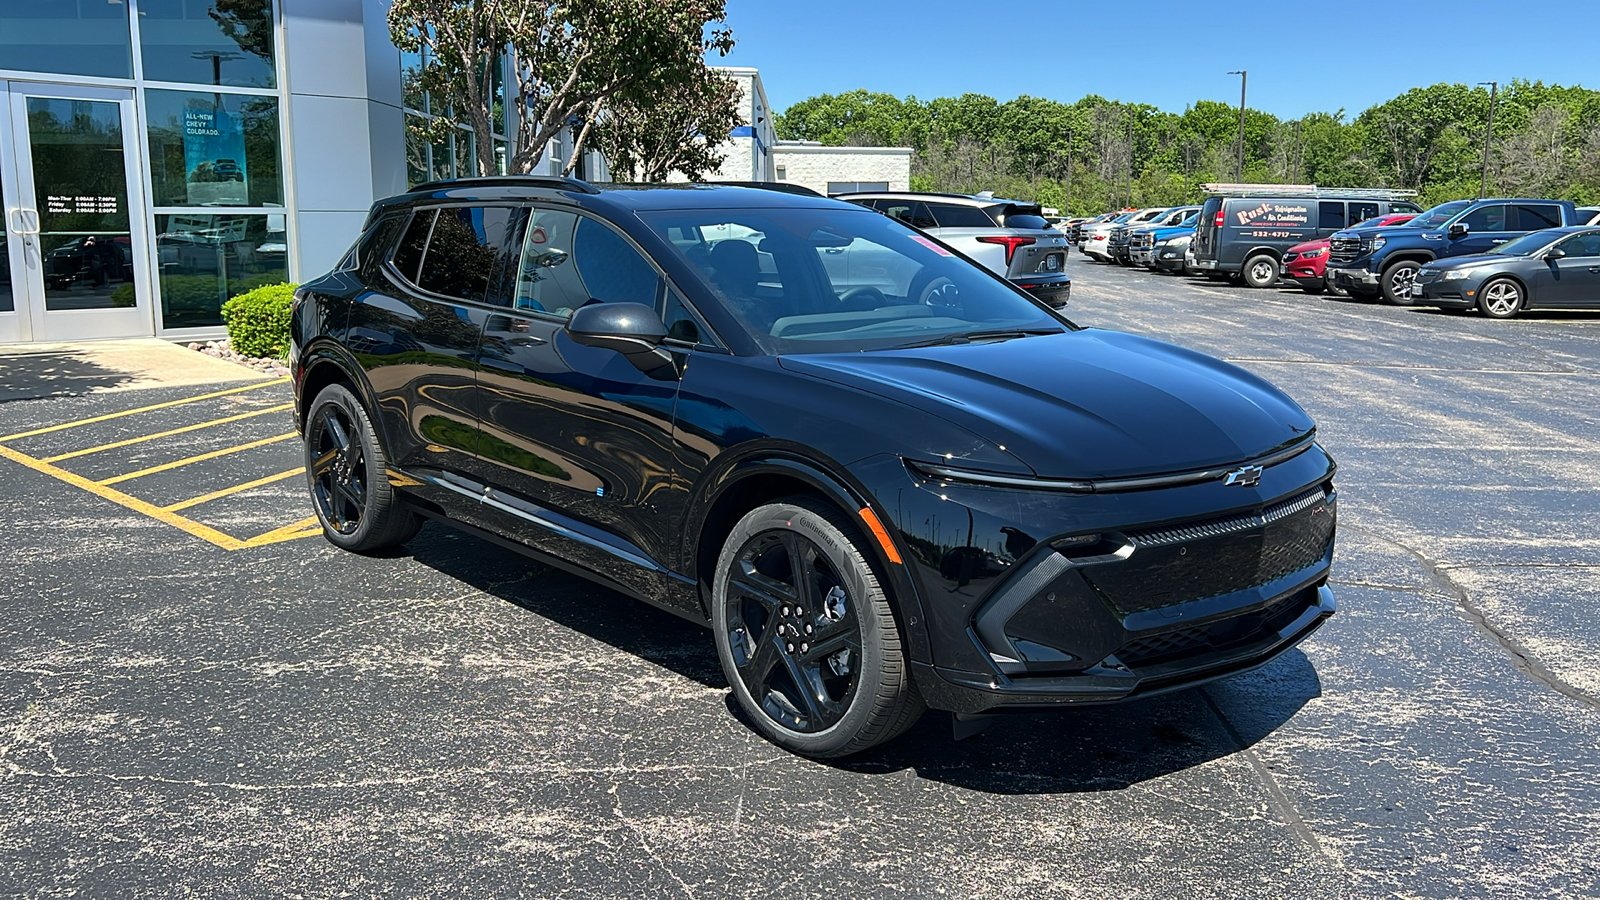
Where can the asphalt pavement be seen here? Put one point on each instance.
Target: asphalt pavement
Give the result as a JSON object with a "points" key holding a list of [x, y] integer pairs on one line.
{"points": [[237, 709]]}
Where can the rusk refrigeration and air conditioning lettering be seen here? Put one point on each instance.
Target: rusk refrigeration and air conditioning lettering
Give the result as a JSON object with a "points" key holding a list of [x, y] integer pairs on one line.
{"points": [[1275, 214]]}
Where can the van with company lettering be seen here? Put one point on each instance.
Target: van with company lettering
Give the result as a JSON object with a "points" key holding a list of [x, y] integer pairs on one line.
{"points": [[1244, 229]]}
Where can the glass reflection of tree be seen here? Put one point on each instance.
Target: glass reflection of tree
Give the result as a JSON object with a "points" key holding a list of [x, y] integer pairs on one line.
{"points": [[458, 263], [248, 23], [78, 156]]}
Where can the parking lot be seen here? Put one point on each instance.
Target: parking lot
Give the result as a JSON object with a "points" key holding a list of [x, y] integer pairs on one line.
{"points": [[195, 700]]}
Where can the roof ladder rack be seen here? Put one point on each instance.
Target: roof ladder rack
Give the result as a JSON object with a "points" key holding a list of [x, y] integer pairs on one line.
{"points": [[1303, 190]]}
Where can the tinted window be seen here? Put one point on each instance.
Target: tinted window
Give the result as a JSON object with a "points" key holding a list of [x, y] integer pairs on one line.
{"points": [[949, 215], [681, 322], [408, 258], [373, 247], [1360, 212], [1485, 218], [464, 250], [912, 212], [1330, 214], [1025, 221], [569, 261], [1582, 245], [1535, 216]]}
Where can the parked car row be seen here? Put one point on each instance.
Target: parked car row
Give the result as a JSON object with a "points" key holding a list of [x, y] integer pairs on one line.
{"points": [[1500, 256]]}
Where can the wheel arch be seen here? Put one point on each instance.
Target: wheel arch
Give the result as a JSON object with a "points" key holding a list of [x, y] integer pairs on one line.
{"points": [[1420, 257], [762, 476], [1527, 292], [1274, 252], [326, 363]]}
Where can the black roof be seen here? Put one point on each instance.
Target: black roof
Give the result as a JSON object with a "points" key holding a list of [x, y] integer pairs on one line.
{"points": [[676, 195]]}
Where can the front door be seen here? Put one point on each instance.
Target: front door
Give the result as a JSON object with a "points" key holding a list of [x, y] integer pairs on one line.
{"points": [[1574, 279], [74, 260]]}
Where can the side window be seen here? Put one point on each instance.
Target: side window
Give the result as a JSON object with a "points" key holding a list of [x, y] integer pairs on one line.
{"points": [[373, 247], [682, 324], [949, 215], [1330, 215], [1535, 217], [1360, 212], [1485, 218], [569, 261], [1582, 246], [408, 258], [912, 212], [465, 249]]}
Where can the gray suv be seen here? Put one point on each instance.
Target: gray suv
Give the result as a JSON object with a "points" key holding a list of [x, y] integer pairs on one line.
{"points": [[1010, 238]]}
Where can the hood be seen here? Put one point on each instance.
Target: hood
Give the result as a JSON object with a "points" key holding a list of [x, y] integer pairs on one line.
{"points": [[1476, 259], [1310, 245], [1386, 230], [1085, 404], [1166, 231]]}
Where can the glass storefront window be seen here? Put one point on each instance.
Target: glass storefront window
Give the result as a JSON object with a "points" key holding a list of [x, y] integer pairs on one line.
{"points": [[213, 149], [206, 259], [411, 92], [85, 38], [221, 42]]}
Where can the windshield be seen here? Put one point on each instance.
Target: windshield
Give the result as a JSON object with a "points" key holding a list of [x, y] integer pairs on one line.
{"points": [[1123, 218], [1192, 221], [807, 280], [1526, 245], [1439, 215]]}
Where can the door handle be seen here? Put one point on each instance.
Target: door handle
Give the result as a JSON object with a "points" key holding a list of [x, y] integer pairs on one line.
{"points": [[527, 341], [21, 219], [1499, 242]]}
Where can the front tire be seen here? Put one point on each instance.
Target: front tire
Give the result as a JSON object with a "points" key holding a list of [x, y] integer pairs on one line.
{"points": [[347, 475], [1397, 281], [806, 635], [1501, 298]]}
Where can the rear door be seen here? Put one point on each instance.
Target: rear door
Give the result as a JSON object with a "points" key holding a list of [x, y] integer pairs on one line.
{"points": [[577, 443], [1208, 230]]}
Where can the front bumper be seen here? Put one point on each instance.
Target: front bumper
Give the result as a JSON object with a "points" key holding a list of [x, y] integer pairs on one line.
{"points": [[1350, 276], [1461, 293], [1143, 256], [1222, 580]]}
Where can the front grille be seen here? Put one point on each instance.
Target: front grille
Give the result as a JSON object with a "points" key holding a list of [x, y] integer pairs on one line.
{"points": [[1142, 241], [1344, 250], [1209, 558], [1289, 258], [1232, 632]]}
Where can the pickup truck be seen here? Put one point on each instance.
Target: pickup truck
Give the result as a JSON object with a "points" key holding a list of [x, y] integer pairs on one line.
{"points": [[1368, 262]]}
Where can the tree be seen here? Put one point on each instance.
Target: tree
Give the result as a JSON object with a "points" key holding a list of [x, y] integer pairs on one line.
{"points": [[647, 134], [569, 59]]}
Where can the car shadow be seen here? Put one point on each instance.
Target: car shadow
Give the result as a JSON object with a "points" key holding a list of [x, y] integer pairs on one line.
{"points": [[40, 374], [1074, 750], [1108, 748], [629, 625]]}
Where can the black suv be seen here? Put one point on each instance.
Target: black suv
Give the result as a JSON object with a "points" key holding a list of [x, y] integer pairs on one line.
{"points": [[885, 477]]}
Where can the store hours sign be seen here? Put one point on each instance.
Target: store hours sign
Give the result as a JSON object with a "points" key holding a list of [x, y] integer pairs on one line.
{"points": [[213, 155]]}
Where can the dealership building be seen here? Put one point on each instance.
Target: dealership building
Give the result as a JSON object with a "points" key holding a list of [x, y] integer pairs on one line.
{"points": [[160, 156]]}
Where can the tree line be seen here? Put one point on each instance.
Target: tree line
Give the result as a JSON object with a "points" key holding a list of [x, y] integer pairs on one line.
{"points": [[1098, 154]]}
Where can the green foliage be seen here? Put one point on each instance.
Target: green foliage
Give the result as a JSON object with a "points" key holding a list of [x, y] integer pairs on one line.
{"points": [[1095, 154], [258, 320], [652, 132]]}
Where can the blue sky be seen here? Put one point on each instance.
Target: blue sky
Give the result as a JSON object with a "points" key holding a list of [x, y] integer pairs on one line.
{"points": [[1301, 57]]}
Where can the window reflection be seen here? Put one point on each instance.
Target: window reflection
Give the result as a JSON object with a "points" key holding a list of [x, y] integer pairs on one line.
{"points": [[66, 38], [213, 149], [222, 42], [206, 259]]}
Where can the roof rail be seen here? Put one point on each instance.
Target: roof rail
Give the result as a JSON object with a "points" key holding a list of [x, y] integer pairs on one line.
{"points": [[785, 187], [553, 182], [1302, 190]]}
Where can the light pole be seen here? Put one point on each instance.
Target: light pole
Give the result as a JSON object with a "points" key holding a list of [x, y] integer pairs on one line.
{"points": [[1244, 79], [1488, 134]]}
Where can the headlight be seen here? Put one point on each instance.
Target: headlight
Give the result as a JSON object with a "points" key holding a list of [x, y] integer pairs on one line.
{"points": [[1313, 254], [1455, 274], [1378, 242]]}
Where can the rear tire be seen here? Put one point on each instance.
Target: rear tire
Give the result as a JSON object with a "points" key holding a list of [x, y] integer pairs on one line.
{"points": [[1397, 281], [347, 475], [1260, 271], [792, 574]]}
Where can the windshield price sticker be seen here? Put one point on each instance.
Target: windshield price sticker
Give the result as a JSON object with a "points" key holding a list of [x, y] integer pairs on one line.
{"points": [[933, 245]]}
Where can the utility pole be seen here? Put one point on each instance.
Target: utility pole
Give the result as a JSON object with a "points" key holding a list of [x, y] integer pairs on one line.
{"points": [[1244, 78], [1127, 197], [1488, 135], [1296, 179]]}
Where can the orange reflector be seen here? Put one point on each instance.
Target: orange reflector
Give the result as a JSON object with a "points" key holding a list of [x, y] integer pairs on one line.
{"points": [[882, 534]]}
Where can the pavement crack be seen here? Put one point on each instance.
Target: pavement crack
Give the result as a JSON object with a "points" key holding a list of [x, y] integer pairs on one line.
{"points": [[1522, 659]]}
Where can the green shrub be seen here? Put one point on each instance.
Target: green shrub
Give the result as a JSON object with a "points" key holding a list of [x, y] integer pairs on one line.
{"points": [[258, 320]]}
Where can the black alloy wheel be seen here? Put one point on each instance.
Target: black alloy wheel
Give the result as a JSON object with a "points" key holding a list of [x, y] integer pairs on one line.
{"points": [[346, 473], [1397, 281], [806, 635]]}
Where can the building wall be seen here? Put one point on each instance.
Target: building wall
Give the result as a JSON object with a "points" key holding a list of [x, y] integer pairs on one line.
{"points": [[816, 166]]}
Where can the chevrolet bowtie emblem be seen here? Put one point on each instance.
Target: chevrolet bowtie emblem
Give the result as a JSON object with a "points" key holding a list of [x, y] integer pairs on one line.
{"points": [[1244, 476]]}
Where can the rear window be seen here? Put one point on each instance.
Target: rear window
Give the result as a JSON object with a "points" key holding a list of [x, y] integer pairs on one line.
{"points": [[949, 215], [1023, 220], [462, 253], [1535, 216]]}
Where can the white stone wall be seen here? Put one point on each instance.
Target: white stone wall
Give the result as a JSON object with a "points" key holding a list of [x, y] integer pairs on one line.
{"points": [[814, 166]]}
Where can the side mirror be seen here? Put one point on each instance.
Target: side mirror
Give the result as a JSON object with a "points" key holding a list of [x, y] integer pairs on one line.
{"points": [[1555, 253], [631, 329], [1458, 230]]}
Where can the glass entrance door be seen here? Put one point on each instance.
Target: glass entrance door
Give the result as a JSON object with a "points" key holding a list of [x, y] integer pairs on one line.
{"points": [[75, 239]]}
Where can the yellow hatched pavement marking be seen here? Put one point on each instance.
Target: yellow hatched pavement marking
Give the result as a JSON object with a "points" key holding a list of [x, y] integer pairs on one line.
{"points": [[184, 430], [133, 412], [166, 467], [307, 527], [204, 532], [227, 491]]}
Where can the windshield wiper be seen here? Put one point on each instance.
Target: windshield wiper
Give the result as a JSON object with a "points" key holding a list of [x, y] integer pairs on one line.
{"points": [[972, 337]]}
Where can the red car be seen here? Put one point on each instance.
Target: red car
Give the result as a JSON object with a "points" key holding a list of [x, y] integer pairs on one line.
{"points": [[1306, 262]]}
